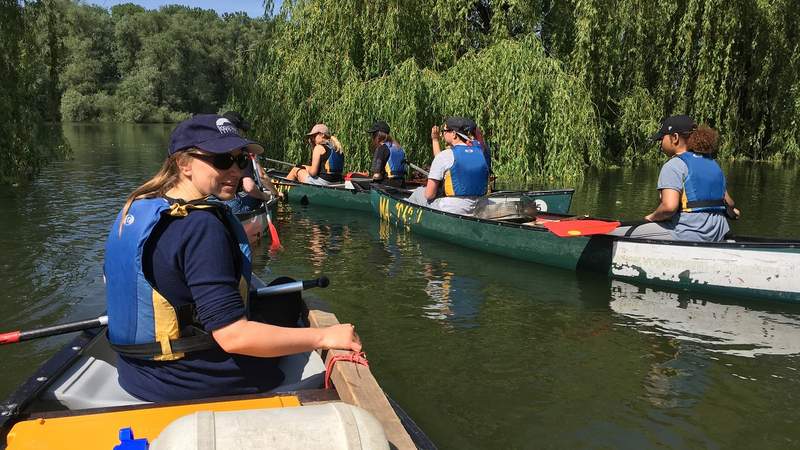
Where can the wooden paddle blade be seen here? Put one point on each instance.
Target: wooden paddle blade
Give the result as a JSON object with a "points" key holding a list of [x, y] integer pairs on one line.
{"points": [[574, 228]]}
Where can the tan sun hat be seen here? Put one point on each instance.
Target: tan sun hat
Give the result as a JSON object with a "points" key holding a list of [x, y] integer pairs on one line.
{"points": [[319, 128]]}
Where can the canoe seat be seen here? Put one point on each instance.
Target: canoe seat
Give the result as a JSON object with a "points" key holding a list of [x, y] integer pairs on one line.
{"points": [[92, 381]]}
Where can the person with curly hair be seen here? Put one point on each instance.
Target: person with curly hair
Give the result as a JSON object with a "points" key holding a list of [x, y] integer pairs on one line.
{"points": [[694, 200]]}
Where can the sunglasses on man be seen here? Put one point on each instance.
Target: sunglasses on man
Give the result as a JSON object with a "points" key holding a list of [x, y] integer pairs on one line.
{"points": [[224, 161]]}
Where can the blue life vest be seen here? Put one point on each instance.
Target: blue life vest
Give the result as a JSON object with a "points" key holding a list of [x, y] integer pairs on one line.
{"points": [[487, 154], [141, 322], [704, 187], [334, 163], [469, 175], [396, 165]]}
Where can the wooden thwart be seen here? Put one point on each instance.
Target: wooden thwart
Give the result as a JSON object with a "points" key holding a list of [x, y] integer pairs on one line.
{"points": [[358, 387]]}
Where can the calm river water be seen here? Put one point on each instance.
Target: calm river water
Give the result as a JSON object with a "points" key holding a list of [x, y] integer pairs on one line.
{"points": [[481, 351]]}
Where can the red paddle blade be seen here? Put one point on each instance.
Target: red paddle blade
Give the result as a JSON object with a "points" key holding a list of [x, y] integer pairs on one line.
{"points": [[573, 228], [273, 234]]}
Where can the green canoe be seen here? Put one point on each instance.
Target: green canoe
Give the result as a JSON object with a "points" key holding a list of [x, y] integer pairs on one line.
{"points": [[355, 195], [742, 266], [334, 196]]}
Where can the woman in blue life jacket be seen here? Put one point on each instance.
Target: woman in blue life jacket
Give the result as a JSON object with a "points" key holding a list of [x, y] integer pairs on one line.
{"points": [[458, 176], [177, 272], [327, 159], [388, 158], [254, 187], [692, 188]]}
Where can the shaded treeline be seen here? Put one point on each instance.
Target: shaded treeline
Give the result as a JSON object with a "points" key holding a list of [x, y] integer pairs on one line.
{"points": [[66, 60], [26, 141], [129, 64], [560, 85]]}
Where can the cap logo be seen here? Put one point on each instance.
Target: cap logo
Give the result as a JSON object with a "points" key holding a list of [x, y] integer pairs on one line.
{"points": [[226, 127], [129, 219], [669, 128]]}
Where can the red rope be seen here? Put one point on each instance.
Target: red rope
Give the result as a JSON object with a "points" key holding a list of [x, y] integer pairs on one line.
{"points": [[353, 357]]}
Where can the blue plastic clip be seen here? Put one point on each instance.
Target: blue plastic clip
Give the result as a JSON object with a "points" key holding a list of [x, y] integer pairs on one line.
{"points": [[127, 442]]}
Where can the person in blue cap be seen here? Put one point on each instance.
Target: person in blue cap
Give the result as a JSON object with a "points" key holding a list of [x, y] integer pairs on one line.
{"points": [[459, 174], [177, 270], [694, 200]]}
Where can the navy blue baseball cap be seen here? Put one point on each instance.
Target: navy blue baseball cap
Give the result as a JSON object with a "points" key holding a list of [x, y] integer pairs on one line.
{"points": [[379, 125], [680, 124], [212, 133]]}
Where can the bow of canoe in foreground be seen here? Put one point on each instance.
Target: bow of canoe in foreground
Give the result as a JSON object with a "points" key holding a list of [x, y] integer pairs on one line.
{"points": [[74, 400]]}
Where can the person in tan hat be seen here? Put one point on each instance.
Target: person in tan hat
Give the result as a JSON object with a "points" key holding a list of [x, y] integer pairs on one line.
{"points": [[327, 159]]}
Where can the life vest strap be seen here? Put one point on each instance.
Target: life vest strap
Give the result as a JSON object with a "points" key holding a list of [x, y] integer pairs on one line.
{"points": [[199, 342], [705, 204]]}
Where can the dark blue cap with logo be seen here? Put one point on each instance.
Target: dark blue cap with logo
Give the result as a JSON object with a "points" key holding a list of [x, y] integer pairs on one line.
{"points": [[211, 133], [681, 124]]}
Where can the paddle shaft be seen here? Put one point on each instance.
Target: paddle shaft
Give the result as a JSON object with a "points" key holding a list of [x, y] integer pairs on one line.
{"points": [[276, 161], [19, 336], [417, 168], [13, 337]]}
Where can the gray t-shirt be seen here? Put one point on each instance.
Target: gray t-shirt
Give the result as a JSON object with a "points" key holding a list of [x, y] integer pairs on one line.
{"points": [[696, 226], [459, 205]]}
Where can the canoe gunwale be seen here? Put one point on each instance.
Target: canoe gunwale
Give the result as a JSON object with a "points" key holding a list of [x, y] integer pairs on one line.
{"points": [[744, 241], [11, 410]]}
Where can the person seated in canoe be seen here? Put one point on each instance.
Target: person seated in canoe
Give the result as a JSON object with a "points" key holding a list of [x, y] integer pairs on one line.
{"points": [[262, 181], [327, 159], [388, 158], [458, 175], [253, 189], [177, 271], [475, 136], [694, 199]]}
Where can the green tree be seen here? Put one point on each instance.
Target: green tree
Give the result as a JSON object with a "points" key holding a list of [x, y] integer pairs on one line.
{"points": [[26, 143]]}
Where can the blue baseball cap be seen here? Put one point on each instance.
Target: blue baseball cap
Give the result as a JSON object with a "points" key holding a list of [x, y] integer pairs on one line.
{"points": [[681, 124], [212, 133]]}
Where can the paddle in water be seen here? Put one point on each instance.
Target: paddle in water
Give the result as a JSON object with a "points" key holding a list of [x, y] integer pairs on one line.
{"points": [[583, 227], [273, 234]]}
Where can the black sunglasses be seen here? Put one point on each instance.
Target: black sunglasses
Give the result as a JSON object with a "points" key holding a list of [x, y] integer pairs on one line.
{"points": [[224, 161]]}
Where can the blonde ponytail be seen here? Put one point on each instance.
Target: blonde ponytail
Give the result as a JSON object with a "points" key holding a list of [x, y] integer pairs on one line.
{"points": [[165, 179], [336, 144]]}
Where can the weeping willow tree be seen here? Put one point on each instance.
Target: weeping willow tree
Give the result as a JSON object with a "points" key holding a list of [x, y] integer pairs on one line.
{"points": [[733, 64], [26, 142], [559, 85], [349, 63]]}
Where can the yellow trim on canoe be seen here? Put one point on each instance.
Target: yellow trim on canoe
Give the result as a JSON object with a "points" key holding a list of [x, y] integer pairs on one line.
{"points": [[101, 431]]}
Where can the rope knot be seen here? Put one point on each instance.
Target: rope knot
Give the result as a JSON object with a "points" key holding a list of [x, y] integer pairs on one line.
{"points": [[353, 357]]}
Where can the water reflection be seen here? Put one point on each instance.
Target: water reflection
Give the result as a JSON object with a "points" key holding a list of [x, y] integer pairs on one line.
{"points": [[455, 297], [720, 327]]}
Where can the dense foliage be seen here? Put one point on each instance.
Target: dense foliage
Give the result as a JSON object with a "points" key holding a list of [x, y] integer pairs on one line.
{"points": [[129, 64], [559, 85], [26, 142]]}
